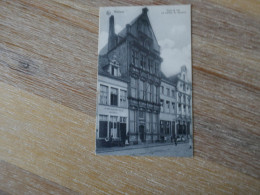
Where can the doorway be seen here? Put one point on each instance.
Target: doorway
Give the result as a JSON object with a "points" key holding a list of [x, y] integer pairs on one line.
{"points": [[141, 133]]}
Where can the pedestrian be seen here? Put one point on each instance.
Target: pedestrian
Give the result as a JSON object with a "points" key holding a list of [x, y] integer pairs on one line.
{"points": [[175, 140]]}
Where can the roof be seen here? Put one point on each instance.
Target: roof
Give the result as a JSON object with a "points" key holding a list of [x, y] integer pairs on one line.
{"points": [[123, 33]]}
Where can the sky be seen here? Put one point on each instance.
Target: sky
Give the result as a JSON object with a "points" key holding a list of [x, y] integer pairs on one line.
{"points": [[171, 26]]}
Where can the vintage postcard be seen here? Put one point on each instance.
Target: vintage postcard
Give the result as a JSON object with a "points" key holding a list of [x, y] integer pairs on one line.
{"points": [[144, 99]]}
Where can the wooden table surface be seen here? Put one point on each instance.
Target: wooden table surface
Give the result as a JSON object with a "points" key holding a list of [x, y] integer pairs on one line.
{"points": [[48, 76]]}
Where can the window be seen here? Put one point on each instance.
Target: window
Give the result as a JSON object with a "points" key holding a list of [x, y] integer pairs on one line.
{"points": [[114, 71], [103, 126], [154, 94], [148, 122], [179, 108], [162, 105], [184, 87], [113, 96], [123, 98], [173, 107], [149, 93], [142, 62], [167, 106], [150, 66], [154, 123], [113, 126], [184, 108], [184, 77], [167, 129], [155, 68], [141, 114], [133, 88], [179, 97], [132, 117], [134, 57], [141, 89], [103, 94], [168, 91], [162, 89], [173, 95]]}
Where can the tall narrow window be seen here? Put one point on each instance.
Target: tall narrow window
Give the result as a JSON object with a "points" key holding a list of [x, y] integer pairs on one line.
{"points": [[154, 94], [103, 126], [157, 95], [142, 62], [133, 88], [150, 65], [114, 96], [114, 70], [162, 106], [179, 108], [134, 57], [154, 123], [168, 91], [141, 89], [151, 68], [173, 94], [114, 126], [123, 98], [141, 114], [149, 93], [148, 126], [167, 106], [132, 127], [173, 107], [162, 89], [103, 94]]}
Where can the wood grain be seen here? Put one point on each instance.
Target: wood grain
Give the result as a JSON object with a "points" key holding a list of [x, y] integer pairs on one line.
{"points": [[14, 180], [56, 139], [48, 67]]}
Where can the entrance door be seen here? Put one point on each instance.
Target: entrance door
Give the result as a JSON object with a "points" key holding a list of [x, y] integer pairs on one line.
{"points": [[141, 132], [123, 132], [173, 129]]}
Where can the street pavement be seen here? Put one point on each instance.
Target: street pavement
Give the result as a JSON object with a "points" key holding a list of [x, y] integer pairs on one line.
{"points": [[166, 149]]}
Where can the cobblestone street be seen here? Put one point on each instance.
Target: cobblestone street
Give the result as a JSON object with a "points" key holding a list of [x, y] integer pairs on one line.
{"points": [[181, 150]]}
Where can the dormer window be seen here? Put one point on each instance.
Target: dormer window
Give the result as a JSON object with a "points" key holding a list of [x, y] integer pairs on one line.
{"points": [[114, 68], [114, 71]]}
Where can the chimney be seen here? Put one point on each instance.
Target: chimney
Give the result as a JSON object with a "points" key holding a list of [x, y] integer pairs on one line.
{"points": [[112, 38], [144, 11]]}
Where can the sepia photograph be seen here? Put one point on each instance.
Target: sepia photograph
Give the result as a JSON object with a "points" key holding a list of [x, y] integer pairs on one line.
{"points": [[144, 100]]}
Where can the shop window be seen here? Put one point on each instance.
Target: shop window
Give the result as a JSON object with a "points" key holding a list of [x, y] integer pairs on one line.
{"points": [[113, 126], [103, 121]]}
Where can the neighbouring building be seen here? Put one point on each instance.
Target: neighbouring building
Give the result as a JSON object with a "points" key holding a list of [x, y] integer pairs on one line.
{"points": [[112, 110], [184, 103], [167, 109]]}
